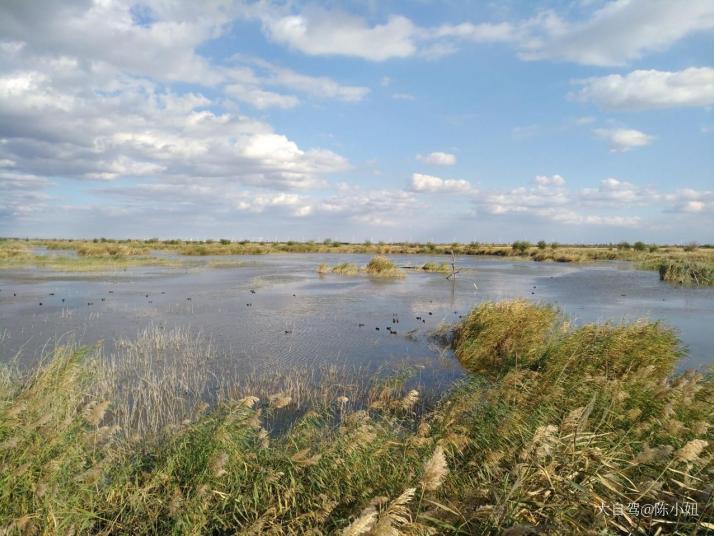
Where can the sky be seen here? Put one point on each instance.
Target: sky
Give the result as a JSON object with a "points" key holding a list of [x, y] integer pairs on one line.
{"points": [[584, 121]]}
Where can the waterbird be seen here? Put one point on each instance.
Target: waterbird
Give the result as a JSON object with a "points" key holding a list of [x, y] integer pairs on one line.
{"points": [[288, 331], [252, 291], [52, 293], [429, 313], [62, 300], [377, 328], [102, 299], [360, 325], [40, 303], [90, 303], [189, 299], [111, 292]]}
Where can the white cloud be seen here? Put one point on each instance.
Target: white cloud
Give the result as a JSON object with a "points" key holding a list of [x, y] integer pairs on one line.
{"points": [[691, 201], [322, 32], [437, 158], [641, 90], [615, 192], [554, 180], [623, 139], [429, 183], [319, 32], [613, 33], [260, 98], [478, 33], [403, 96], [618, 32]]}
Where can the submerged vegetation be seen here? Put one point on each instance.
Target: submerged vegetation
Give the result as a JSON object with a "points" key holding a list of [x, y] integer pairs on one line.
{"points": [[559, 430]]}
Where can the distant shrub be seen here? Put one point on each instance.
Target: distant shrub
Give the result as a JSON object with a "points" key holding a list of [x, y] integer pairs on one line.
{"points": [[639, 246], [691, 246], [521, 246], [541, 244], [623, 245]]}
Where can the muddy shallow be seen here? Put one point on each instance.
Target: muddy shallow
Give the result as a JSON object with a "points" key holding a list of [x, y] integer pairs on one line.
{"points": [[297, 317]]}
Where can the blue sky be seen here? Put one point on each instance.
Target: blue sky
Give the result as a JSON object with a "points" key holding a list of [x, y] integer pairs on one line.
{"points": [[587, 121]]}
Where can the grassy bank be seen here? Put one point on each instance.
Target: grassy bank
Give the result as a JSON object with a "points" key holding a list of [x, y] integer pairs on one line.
{"points": [[556, 429]]}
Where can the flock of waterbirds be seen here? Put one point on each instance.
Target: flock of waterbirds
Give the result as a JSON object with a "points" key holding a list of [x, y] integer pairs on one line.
{"points": [[390, 329]]}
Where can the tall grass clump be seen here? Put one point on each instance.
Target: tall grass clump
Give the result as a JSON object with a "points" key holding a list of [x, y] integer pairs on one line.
{"points": [[345, 268], [496, 336], [687, 272], [591, 423], [380, 266]]}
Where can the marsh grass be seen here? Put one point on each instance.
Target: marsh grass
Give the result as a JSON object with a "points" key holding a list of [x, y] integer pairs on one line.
{"points": [[442, 267], [103, 254], [687, 272], [381, 266], [555, 422]]}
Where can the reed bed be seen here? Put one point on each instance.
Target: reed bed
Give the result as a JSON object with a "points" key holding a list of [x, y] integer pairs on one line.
{"points": [[687, 272], [559, 430]]}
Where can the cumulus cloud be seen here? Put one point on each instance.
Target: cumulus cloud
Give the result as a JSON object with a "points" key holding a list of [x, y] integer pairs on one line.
{"points": [[437, 158], [641, 90], [623, 139], [690, 201], [319, 32], [429, 183], [616, 192]]}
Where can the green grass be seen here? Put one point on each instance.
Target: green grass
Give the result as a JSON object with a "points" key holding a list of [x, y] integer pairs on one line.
{"points": [[553, 422]]}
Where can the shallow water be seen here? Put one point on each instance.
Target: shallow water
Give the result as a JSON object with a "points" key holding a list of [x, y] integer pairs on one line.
{"points": [[298, 317]]}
